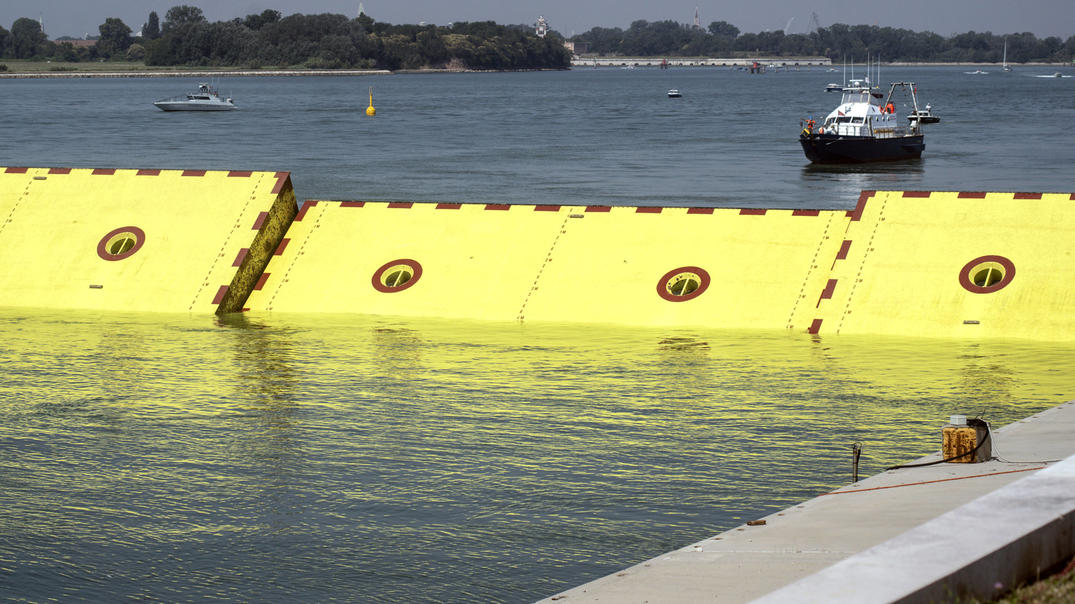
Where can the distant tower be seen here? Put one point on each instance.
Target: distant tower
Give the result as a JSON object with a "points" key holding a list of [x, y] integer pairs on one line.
{"points": [[41, 22], [697, 25], [361, 10], [542, 27]]}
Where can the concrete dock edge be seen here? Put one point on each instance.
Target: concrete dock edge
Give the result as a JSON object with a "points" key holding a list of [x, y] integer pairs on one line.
{"points": [[914, 534], [982, 549]]}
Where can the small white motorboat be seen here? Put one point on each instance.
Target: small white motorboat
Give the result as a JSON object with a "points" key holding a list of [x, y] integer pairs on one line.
{"points": [[206, 99], [674, 93], [924, 116]]}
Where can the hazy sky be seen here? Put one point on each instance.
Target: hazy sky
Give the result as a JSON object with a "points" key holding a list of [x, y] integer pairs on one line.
{"points": [[1042, 17]]}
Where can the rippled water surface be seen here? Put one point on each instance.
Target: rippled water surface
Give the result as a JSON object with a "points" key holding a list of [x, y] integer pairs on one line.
{"points": [[605, 136], [350, 458]]}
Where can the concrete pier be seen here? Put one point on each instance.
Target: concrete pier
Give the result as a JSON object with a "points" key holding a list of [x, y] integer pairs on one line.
{"points": [[926, 533], [766, 62]]}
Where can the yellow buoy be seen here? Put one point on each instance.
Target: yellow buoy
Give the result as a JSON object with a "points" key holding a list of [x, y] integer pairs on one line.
{"points": [[370, 110]]}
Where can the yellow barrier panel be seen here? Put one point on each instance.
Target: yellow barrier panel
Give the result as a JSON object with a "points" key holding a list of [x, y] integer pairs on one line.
{"points": [[955, 264], [141, 240], [678, 266], [627, 265], [415, 259], [915, 263]]}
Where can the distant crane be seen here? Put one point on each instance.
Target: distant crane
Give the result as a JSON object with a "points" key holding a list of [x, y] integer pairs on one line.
{"points": [[787, 28], [815, 22]]}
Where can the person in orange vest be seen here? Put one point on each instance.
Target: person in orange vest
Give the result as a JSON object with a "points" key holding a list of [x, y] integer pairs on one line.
{"points": [[890, 108]]}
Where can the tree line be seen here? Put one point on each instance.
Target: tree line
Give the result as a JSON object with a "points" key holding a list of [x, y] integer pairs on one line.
{"points": [[323, 41], [329, 41], [669, 38]]}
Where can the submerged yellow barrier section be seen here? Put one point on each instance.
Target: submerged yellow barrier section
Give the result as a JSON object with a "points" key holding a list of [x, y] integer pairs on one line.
{"points": [[628, 265], [954, 264], [141, 240], [900, 263], [915, 263]]}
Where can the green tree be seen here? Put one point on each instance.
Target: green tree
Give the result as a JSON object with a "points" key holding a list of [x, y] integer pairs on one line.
{"points": [[723, 29], [136, 52], [183, 15], [601, 40], [5, 41], [67, 52], [27, 39], [266, 17], [115, 37], [152, 28]]}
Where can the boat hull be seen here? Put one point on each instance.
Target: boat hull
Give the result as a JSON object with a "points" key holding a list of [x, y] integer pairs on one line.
{"points": [[823, 149], [188, 106]]}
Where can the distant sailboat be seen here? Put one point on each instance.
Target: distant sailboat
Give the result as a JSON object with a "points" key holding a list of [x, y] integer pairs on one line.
{"points": [[1006, 67]]}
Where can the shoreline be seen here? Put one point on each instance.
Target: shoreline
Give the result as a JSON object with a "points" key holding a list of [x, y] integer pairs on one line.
{"points": [[244, 73], [210, 73], [203, 73]]}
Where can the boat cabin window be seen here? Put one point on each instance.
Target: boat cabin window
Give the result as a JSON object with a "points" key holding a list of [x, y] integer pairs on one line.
{"points": [[856, 97], [857, 120], [844, 120]]}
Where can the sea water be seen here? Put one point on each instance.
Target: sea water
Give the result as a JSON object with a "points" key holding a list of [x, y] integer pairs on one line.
{"points": [[587, 136], [352, 458]]}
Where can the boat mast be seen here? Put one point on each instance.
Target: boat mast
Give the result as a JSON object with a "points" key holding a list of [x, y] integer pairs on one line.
{"points": [[917, 124]]}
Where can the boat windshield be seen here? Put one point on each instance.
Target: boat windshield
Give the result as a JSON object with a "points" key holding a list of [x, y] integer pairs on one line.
{"points": [[856, 97]]}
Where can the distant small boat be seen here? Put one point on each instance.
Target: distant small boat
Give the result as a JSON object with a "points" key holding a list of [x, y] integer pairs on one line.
{"points": [[833, 87], [674, 93], [206, 99], [976, 72], [923, 116]]}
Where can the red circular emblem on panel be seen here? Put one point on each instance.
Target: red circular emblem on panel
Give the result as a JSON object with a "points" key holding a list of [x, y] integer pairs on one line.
{"points": [[986, 274], [121, 243], [396, 276], [683, 283]]}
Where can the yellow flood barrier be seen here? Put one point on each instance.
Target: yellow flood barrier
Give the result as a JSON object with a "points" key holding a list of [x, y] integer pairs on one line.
{"points": [[138, 240], [954, 264], [947, 264], [626, 265], [915, 263]]}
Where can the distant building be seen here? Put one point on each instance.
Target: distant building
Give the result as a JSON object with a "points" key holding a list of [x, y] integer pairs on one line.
{"points": [[542, 27], [578, 48], [77, 43]]}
